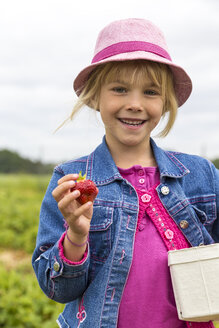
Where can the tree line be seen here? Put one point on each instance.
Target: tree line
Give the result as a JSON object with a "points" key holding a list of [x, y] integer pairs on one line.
{"points": [[12, 162]]}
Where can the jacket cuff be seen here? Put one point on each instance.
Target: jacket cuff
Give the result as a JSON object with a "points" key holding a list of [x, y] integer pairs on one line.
{"points": [[59, 267], [62, 255]]}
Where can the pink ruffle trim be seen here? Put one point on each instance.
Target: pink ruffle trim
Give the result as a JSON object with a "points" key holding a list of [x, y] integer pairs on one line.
{"points": [[62, 255]]}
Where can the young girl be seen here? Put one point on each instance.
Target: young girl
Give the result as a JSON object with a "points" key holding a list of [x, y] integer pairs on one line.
{"points": [[108, 259]]}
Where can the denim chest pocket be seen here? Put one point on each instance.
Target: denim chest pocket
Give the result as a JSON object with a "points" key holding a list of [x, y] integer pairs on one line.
{"points": [[100, 233], [205, 208]]}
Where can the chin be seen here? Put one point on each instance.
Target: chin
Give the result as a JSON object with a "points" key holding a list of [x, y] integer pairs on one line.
{"points": [[131, 143]]}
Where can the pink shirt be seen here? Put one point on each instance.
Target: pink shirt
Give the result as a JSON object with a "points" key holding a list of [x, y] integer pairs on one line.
{"points": [[148, 299]]}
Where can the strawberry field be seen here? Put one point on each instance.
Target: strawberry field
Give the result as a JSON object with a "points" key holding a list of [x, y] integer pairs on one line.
{"points": [[22, 303]]}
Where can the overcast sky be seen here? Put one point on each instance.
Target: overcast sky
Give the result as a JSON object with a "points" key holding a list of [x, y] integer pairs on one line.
{"points": [[45, 43]]}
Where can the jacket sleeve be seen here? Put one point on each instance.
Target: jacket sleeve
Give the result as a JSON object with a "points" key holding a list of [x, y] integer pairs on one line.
{"points": [[215, 228], [59, 280]]}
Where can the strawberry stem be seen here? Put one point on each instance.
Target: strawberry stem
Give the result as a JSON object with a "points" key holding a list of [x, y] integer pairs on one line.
{"points": [[81, 177]]}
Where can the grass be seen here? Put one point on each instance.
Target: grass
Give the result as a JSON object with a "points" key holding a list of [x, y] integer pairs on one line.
{"points": [[20, 199], [22, 303]]}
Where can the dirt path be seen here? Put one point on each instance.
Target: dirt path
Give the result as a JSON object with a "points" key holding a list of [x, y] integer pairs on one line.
{"points": [[12, 259]]}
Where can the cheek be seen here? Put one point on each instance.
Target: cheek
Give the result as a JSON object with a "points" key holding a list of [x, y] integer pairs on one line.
{"points": [[105, 116], [155, 123], [156, 116], [158, 111], [107, 109]]}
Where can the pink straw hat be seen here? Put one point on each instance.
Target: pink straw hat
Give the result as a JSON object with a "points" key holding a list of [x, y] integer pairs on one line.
{"points": [[132, 39]]}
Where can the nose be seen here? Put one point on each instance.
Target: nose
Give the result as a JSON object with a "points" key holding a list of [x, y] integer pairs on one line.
{"points": [[135, 102]]}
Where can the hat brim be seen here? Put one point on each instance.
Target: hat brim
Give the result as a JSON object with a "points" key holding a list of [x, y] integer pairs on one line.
{"points": [[182, 82]]}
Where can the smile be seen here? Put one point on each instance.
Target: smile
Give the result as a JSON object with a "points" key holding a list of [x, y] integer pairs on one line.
{"points": [[132, 122]]}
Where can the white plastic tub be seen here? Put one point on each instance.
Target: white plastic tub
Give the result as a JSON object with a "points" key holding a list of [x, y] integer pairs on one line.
{"points": [[195, 279]]}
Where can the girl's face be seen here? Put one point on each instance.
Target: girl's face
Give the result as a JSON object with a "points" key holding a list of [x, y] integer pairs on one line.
{"points": [[130, 111]]}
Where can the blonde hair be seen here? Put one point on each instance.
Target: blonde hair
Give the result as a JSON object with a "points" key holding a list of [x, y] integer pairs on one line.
{"points": [[159, 74]]}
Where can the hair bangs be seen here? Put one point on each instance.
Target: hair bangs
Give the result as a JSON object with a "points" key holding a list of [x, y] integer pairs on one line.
{"points": [[132, 72]]}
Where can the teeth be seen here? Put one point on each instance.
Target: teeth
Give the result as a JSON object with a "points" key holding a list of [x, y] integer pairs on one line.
{"points": [[132, 122]]}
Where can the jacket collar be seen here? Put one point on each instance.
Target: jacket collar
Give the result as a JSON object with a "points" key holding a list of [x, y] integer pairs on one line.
{"points": [[102, 169], [169, 165]]}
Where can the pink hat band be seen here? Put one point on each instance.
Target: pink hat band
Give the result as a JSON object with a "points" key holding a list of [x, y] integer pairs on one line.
{"points": [[134, 39], [130, 46]]}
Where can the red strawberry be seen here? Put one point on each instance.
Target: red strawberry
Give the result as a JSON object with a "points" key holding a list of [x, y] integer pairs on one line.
{"points": [[87, 188]]}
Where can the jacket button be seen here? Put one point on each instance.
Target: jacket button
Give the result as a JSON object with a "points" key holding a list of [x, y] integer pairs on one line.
{"points": [[184, 224], [56, 266], [165, 190]]}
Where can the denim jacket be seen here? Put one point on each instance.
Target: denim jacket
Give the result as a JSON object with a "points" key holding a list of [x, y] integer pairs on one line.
{"points": [[87, 288]]}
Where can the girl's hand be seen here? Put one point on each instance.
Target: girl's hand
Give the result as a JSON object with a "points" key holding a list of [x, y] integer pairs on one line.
{"points": [[77, 216]]}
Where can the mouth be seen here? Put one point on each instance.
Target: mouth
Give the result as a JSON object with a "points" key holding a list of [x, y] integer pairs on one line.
{"points": [[132, 122]]}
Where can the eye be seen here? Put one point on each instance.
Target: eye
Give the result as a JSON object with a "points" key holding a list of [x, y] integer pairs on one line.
{"points": [[151, 92], [119, 89]]}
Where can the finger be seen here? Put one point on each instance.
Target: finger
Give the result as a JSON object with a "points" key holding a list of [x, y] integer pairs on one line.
{"points": [[71, 209], [68, 200], [73, 176], [85, 209], [63, 189]]}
